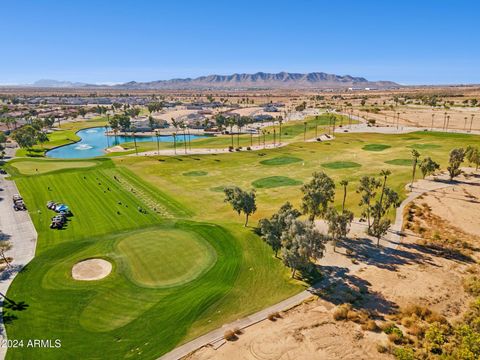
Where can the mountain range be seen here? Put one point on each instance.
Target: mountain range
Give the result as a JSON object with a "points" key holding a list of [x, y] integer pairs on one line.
{"points": [[259, 80]]}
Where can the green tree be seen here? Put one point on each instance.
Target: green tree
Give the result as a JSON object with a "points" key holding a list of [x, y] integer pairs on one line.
{"points": [[302, 244], [472, 154], [241, 201], [26, 137], [428, 166], [151, 122], [123, 121], [381, 224], [272, 229], [317, 194], [456, 158], [338, 224], [367, 190]]}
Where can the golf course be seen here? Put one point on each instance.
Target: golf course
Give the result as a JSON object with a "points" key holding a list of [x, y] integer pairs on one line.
{"points": [[182, 261]]}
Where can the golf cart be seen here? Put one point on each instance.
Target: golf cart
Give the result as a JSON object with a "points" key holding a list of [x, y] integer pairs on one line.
{"points": [[18, 203]]}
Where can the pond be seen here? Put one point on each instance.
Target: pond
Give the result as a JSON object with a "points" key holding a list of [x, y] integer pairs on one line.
{"points": [[94, 141]]}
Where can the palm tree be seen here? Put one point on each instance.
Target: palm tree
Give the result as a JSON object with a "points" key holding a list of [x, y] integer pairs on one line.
{"points": [[344, 183], [448, 122], [433, 116], [184, 126], [444, 120], [106, 130], [133, 128], [465, 123], [385, 174], [415, 155], [174, 142], [280, 120], [471, 122], [157, 134], [305, 131]]}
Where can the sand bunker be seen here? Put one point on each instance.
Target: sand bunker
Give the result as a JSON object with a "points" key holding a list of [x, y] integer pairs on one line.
{"points": [[91, 269]]}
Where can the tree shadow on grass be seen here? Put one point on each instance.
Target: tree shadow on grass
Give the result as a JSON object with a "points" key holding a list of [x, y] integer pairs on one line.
{"points": [[338, 286]]}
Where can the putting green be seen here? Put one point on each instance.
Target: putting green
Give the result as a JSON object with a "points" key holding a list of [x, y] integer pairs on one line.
{"points": [[341, 165], [376, 147], [165, 258], [275, 181], [195, 173], [40, 167], [284, 160], [400, 162], [424, 146]]}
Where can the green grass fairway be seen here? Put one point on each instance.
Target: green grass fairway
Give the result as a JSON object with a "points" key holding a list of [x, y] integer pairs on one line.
{"points": [[195, 173], [174, 275], [139, 311], [275, 181], [400, 162], [341, 165], [166, 258], [36, 167], [375, 147], [424, 146], [285, 160]]}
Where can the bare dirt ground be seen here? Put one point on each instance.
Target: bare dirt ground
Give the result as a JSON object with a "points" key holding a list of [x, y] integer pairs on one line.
{"points": [[91, 269], [379, 281]]}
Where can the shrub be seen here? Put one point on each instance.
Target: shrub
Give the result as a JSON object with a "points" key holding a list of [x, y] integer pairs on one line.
{"points": [[370, 325], [249, 148], [435, 337], [396, 337], [238, 331], [471, 285], [341, 312], [229, 335], [404, 353], [382, 348], [416, 330], [273, 316], [230, 148]]}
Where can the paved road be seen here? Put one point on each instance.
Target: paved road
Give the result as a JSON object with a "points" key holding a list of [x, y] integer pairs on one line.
{"points": [[18, 229]]}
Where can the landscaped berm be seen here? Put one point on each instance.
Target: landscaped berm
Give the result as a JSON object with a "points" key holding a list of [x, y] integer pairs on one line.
{"points": [[153, 256]]}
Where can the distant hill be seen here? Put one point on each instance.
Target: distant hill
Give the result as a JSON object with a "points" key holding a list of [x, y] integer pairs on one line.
{"points": [[48, 83], [259, 80]]}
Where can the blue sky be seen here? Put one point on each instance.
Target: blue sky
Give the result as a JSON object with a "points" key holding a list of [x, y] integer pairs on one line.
{"points": [[411, 42]]}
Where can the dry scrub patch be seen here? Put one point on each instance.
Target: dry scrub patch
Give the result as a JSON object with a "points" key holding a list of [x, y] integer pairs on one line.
{"points": [[91, 269]]}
